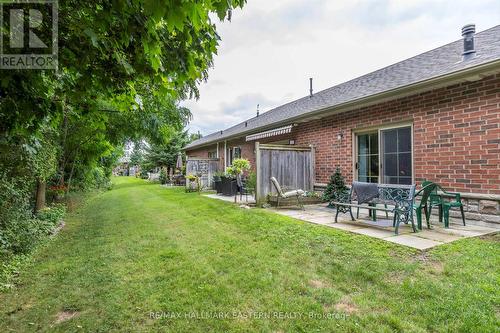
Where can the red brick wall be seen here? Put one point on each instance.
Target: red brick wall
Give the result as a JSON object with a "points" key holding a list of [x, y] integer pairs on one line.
{"points": [[201, 152], [456, 136]]}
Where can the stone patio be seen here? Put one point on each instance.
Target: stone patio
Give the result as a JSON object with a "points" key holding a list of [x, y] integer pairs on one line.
{"points": [[382, 228]]}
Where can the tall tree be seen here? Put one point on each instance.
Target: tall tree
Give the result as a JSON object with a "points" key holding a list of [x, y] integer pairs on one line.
{"points": [[118, 61], [165, 155]]}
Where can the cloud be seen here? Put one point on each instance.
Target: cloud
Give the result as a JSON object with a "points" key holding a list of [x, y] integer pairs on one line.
{"points": [[226, 114], [289, 22], [271, 48]]}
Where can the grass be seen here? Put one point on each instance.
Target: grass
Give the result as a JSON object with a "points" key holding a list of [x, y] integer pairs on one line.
{"points": [[145, 258]]}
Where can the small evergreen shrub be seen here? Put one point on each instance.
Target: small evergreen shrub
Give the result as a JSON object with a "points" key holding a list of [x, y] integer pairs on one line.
{"points": [[163, 176], [336, 188]]}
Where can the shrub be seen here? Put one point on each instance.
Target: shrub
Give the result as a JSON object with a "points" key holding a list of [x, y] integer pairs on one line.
{"points": [[163, 176], [336, 188], [20, 231], [239, 166], [218, 176], [252, 181], [49, 217], [312, 194], [194, 183], [55, 191], [191, 177], [16, 220], [99, 178]]}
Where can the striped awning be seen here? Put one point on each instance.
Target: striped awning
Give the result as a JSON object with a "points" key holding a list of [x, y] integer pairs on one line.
{"points": [[269, 133]]}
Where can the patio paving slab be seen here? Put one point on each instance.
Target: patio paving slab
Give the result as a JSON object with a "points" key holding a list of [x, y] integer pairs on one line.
{"points": [[320, 219], [466, 231], [413, 241], [344, 226], [438, 236], [375, 232]]}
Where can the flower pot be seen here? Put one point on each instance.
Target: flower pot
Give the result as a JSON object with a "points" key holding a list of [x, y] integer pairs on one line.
{"points": [[229, 186], [218, 186]]}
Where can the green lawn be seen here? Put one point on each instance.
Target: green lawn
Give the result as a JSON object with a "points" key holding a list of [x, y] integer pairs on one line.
{"points": [[140, 248]]}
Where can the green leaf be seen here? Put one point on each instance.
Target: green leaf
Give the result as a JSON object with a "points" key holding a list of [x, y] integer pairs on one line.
{"points": [[93, 37]]}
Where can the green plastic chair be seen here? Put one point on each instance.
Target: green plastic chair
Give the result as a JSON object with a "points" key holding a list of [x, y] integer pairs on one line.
{"points": [[436, 200], [426, 191], [447, 205]]}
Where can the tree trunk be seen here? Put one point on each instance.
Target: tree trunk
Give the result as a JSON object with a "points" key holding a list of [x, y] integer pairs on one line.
{"points": [[62, 162], [71, 175], [41, 187]]}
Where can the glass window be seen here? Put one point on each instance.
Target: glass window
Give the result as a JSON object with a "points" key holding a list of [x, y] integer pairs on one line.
{"points": [[367, 159], [390, 164], [237, 152], [396, 147], [404, 139], [390, 141], [229, 156], [232, 154]]}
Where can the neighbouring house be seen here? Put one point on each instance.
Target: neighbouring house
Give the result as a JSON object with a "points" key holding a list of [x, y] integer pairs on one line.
{"points": [[124, 166], [435, 116]]}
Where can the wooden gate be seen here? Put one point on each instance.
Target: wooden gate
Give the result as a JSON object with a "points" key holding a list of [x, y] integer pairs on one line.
{"points": [[204, 168], [292, 166]]}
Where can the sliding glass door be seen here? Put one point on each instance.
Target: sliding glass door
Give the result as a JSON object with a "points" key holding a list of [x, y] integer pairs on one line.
{"points": [[385, 156]]}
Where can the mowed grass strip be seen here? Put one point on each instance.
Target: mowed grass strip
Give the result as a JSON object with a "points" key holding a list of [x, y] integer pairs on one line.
{"points": [[203, 265]]}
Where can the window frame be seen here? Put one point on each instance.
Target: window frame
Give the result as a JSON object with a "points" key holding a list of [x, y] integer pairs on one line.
{"points": [[230, 153], [379, 129]]}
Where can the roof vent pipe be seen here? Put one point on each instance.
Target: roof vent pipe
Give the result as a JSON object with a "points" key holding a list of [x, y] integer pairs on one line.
{"points": [[258, 110], [310, 87], [468, 32]]}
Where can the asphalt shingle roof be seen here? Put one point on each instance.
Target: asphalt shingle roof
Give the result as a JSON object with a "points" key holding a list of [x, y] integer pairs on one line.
{"points": [[444, 60]]}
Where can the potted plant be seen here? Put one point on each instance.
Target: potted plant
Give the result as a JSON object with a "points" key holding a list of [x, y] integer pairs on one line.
{"points": [[239, 166], [192, 183], [217, 180], [228, 185]]}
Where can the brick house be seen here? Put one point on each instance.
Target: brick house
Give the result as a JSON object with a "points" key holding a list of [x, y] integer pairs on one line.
{"points": [[435, 116]]}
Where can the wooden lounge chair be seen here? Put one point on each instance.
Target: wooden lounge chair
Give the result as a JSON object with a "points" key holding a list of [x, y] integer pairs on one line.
{"points": [[288, 194]]}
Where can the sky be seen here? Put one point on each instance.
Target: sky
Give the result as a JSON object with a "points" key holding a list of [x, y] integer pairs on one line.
{"points": [[270, 49]]}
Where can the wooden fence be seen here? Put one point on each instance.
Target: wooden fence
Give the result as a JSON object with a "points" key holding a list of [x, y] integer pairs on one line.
{"points": [[203, 167], [292, 166]]}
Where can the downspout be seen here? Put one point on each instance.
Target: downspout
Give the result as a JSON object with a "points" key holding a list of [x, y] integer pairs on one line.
{"points": [[217, 154]]}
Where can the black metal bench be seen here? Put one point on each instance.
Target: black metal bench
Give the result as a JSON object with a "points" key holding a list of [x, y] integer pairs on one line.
{"points": [[400, 197]]}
